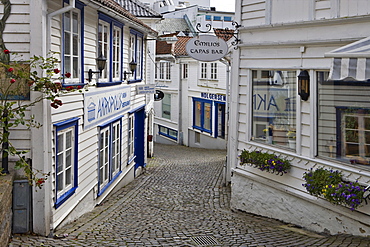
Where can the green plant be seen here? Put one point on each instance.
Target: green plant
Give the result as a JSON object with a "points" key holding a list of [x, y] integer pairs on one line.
{"points": [[17, 79], [329, 184], [265, 161]]}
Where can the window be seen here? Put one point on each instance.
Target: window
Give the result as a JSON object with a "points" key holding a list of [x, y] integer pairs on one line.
{"points": [[185, 71], [131, 138], [217, 18], [206, 73], [203, 71], [273, 112], [227, 18], [213, 71], [109, 153], [166, 106], [220, 120], [208, 17], [165, 70], [202, 115], [72, 55], [136, 54], [110, 46], [167, 132], [65, 160], [343, 120]]}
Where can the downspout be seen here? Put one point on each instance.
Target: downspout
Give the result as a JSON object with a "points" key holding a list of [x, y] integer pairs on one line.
{"points": [[71, 6]]}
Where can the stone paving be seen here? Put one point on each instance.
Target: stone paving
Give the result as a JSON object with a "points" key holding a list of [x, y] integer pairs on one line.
{"points": [[180, 200]]}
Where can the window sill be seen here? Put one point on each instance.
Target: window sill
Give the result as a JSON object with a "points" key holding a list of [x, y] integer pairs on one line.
{"points": [[107, 84], [64, 197]]}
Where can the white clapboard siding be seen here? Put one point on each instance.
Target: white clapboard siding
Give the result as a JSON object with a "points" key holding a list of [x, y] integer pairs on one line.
{"points": [[253, 12]]}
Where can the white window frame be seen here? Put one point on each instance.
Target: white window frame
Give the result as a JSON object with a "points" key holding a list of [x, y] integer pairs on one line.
{"points": [[71, 58], [66, 177], [104, 47], [136, 47], [131, 138]]}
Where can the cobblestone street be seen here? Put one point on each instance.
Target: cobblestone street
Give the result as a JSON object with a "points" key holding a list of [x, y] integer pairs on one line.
{"points": [[180, 200]]}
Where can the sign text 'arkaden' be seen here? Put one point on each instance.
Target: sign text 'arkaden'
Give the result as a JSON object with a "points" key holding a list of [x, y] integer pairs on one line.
{"points": [[206, 48]]}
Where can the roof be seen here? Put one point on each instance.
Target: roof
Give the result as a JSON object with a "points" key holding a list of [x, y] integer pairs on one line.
{"points": [[114, 5], [172, 25], [180, 46], [139, 9]]}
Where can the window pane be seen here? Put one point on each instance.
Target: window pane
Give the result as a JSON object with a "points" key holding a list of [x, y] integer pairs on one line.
{"points": [[198, 113], [274, 114], [343, 120], [207, 116]]}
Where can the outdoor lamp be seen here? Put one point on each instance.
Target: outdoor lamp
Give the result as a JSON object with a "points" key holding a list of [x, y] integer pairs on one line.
{"points": [[100, 62], [304, 85], [132, 66]]}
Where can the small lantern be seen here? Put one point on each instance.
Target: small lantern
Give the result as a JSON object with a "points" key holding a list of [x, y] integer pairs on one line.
{"points": [[132, 66], [304, 85], [100, 62]]}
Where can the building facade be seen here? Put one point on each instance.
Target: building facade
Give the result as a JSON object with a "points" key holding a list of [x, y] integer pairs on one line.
{"points": [[193, 109], [96, 141], [320, 125]]}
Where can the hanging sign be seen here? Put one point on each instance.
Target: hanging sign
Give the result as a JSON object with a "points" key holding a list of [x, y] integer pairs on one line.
{"points": [[207, 48]]}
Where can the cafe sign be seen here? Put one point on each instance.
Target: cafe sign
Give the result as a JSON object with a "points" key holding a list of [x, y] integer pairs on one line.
{"points": [[207, 48]]}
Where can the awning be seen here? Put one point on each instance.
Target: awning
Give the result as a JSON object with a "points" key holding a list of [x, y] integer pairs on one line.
{"points": [[351, 61]]}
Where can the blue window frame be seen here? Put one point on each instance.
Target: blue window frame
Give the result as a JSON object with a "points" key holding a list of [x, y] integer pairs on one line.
{"points": [[72, 45], [227, 18], [66, 160], [110, 153], [208, 17], [136, 54], [167, 132], [110, 45], [202, 115]]}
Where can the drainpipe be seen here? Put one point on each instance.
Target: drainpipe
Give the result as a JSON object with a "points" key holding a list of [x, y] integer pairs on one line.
{"points": [[71, 6]]}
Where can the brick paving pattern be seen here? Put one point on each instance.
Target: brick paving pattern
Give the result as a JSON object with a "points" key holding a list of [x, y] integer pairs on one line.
{"points": [[180, 200]]}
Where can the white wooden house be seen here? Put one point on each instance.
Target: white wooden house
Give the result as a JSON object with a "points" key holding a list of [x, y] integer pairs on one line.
{"points": [[193, 109], [280, 39], [95, 142]]}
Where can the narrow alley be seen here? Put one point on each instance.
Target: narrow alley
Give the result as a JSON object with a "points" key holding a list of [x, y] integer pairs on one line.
{"points": [[180, 200]]}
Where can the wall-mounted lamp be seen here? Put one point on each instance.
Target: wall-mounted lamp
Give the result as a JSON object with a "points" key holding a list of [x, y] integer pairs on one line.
{"points": [[304, 85], [100, 62], [132, 66]]}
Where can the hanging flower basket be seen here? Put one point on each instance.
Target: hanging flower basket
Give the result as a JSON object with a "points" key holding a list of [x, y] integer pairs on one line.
{"points": [[329, 184], [265, 162]]}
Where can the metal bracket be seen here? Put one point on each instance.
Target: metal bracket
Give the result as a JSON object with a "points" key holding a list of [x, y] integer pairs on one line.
{"points": [[235, 34]]}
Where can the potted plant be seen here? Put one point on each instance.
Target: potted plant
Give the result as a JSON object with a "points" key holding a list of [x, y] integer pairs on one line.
{"points": [[265, 161], [329, 184]]}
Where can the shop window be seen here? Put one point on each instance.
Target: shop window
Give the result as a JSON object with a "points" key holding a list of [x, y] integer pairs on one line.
{"points": [[136, 54], [109, 154], [343, 120], [166, 106], [202, 115], [66, 160], [274, 111], [168, 132], [220, 120], [110, 46], [72, 55]]}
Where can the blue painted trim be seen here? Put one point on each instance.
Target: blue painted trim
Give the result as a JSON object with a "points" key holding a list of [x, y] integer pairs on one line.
{"points": [[111, 121], [201, 128], [108, 184], [136, 109], [61, 126], [217, 103], [110, 126], [107, 84], [64, 197], [167, 133]]}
